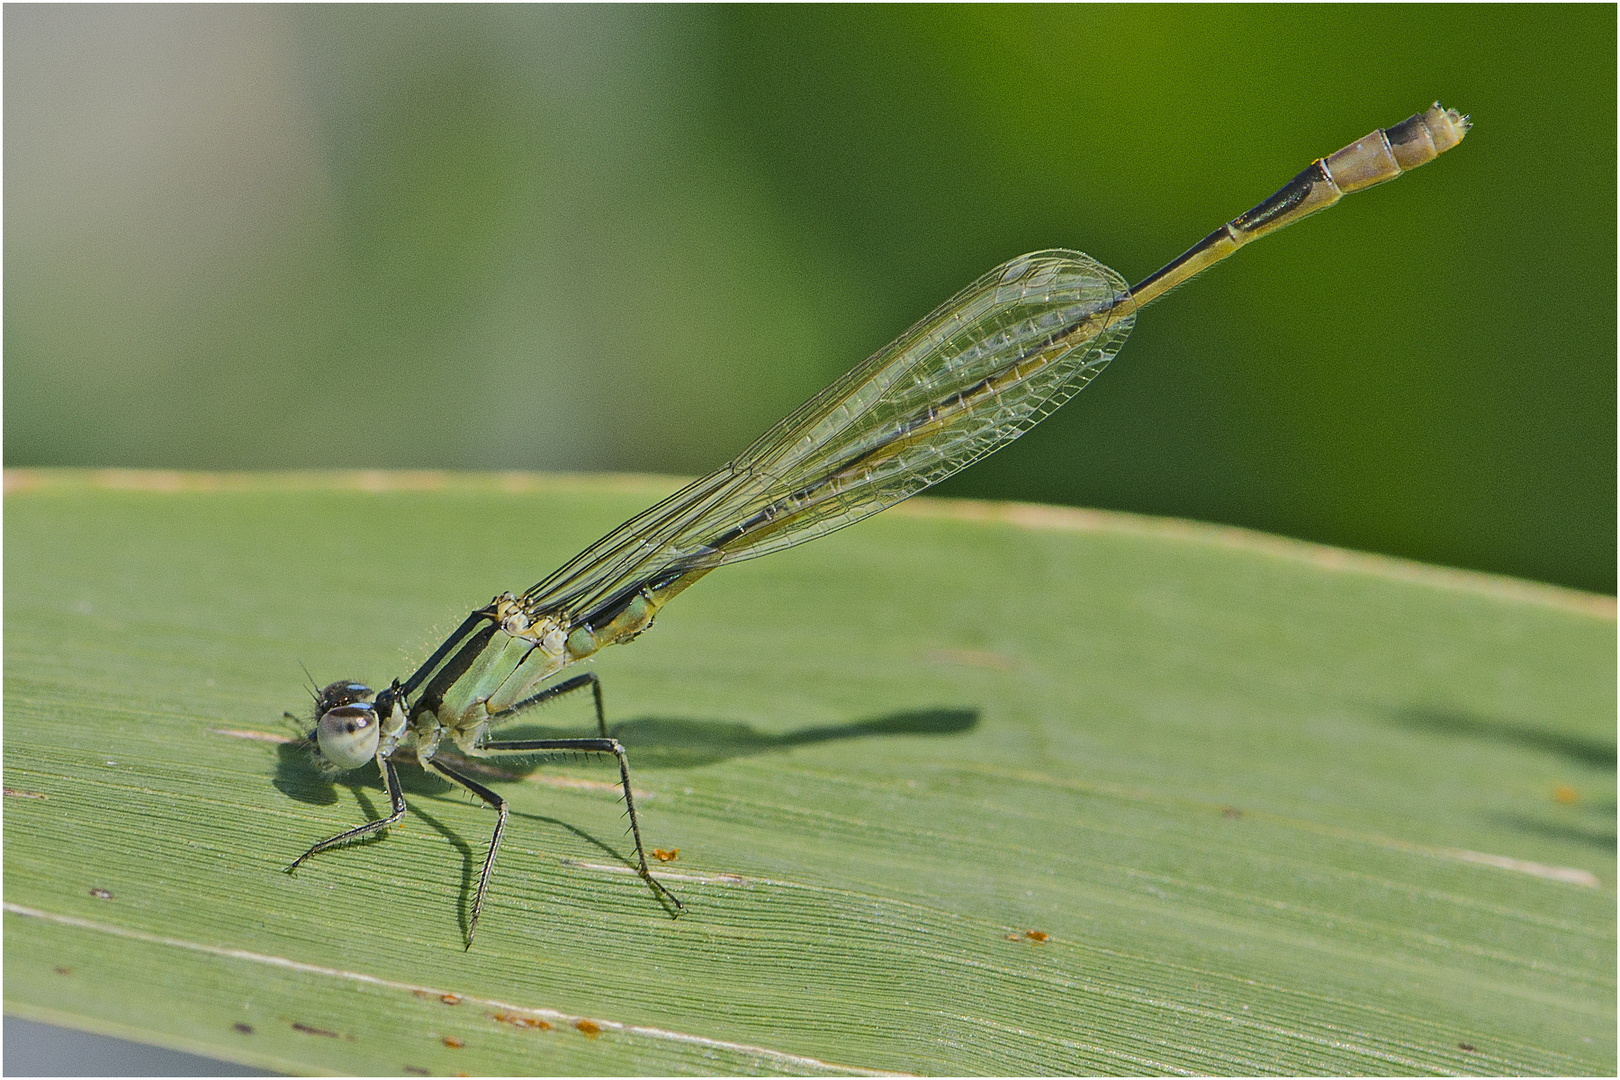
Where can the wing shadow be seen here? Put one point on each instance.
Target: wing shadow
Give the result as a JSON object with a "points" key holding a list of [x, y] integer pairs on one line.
{"points": [[657, 742]]}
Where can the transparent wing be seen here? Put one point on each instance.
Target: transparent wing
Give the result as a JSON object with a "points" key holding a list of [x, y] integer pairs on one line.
{"points": [[982, 369]]}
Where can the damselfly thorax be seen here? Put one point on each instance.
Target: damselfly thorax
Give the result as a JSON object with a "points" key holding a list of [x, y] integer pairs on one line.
{"points": [[497, 660]]}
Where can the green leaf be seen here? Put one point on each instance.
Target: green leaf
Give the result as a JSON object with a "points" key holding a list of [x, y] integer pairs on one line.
{"points": [[972, 788]]}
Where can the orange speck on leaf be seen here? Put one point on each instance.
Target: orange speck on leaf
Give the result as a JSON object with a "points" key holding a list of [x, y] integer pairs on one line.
{"points": [[1037, 936], [589, 1027], [452, 1042], [1565, 794], [666, 856]]}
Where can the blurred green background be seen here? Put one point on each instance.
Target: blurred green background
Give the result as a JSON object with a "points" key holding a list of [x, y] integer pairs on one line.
{"points": [[633, 237]]}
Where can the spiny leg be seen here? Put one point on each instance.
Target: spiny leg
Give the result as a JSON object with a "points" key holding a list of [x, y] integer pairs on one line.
{"points": [[396, 797], [596, 746], [567, 686], [494, 842]]}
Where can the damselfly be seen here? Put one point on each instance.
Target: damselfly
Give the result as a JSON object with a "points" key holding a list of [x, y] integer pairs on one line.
{"points": [[982, 369]]}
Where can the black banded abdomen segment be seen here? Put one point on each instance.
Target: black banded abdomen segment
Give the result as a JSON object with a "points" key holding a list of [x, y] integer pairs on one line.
{"points": [[1285, 201]]}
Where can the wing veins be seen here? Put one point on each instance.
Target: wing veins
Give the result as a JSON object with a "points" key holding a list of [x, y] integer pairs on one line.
{"points": [[786, 469]]}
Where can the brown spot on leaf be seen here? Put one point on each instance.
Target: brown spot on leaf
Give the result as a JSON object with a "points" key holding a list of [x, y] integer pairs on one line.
{"points": [[101, 894], [242, 1029], [590, 1028], [450, 999], [1231, 812], [517, 1020], [452, 1042], [307, 1030], [12, 793], [63, 970], [415, 1070], [1466, 1046]]}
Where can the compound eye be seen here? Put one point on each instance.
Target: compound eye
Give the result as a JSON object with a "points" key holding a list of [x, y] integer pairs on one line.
{"points": [[342, 692], [348, 735]]}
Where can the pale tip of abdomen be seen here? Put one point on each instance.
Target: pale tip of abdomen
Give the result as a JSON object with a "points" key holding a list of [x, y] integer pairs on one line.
{"points": [[1424, 137], [1446, 126]]}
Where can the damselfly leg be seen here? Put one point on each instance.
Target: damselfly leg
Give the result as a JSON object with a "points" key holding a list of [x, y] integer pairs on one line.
{"points": [[501, 813], [567, 686], [396, 799], [596, 746], [603, 745]]}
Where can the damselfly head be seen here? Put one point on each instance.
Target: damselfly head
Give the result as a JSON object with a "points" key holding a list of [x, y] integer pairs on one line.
{"points": [[346, 730]]}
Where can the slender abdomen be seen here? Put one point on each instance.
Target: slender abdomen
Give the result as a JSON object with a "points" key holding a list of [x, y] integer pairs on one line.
{"points": [[1373, 159]]}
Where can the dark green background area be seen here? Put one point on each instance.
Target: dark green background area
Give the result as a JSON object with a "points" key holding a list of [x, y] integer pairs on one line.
{"points": [[631, 238]]}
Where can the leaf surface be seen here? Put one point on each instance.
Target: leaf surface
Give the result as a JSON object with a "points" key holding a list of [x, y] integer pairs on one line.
{"points": [[973, 788]]}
